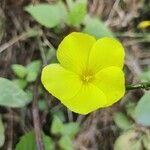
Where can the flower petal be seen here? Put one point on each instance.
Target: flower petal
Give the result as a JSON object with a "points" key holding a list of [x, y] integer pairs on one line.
{"points": [[88, 99], [106, 52], [60, 82], [111, 81], [73, 51]]}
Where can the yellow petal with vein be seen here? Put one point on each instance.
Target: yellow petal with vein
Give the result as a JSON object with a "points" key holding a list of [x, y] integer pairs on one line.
{"points": [[60, 82], [111, 81], [88, 99], [74, 50], [106, 52]]}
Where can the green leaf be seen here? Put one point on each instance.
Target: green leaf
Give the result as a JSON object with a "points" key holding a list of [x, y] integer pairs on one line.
{"points": [[32, 76], [129, 140], [32, 70], [34, 66], [70, 129], [77, 13], [142, 110], [130, 109], [48, 15], [29, 93], [57, 126], [2, 133], [60, 115], [96, 27], [19, 70], [65, 143], [11, 95], [145, 76], [27, 142], [41, 105], [20, 82], [122, 121], [48, 142]]}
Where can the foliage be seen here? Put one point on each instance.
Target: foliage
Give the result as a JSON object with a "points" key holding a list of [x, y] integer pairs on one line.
{"points": [[133, 139], [44, 13], [66, 132], [19, 70], [77, 13], [32, 70], [27, 142], [12, 95], [122, 121], [142, 110], [2, 133], [96, 27], [27, 73], [70, 129], [58, 129]]}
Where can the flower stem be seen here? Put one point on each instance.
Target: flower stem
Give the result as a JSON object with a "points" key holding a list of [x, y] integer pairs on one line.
{"points": [[143, 85]]}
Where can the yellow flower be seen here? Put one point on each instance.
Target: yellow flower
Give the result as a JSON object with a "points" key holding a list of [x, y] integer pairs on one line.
{"points": [[144, 24], [89, 75]]}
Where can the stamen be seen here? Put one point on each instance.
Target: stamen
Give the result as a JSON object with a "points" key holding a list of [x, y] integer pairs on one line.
{"points": [[87, 76]]}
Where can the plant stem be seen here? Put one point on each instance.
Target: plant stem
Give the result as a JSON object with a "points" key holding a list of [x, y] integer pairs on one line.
{"points": [[144, 85], [36, 120]]}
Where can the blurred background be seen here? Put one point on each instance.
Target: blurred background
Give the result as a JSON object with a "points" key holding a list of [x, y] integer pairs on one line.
{"points": [[31, 118]]}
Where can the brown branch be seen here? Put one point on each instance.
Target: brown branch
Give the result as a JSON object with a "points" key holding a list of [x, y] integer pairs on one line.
{"points": [[23, 36], [36, 120]]}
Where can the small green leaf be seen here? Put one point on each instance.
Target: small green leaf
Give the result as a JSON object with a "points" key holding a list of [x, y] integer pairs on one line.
{"points": [[11, 95], [48, 142], [20, 82], [27, 142], [60, 115], [32, 70], [41, 105], [122, 121], [145, 76], [96, 27], [31, 77], [65, 143], [57, 126], [77, 13], [130, 109], [70, 129], [130, 140], [19, 70], [29, 93], [2, 133], [34, 66], [48, 15], [142, 110]]}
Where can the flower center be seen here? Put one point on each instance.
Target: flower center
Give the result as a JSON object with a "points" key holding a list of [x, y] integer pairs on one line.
{"points": [[87, 76]]}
